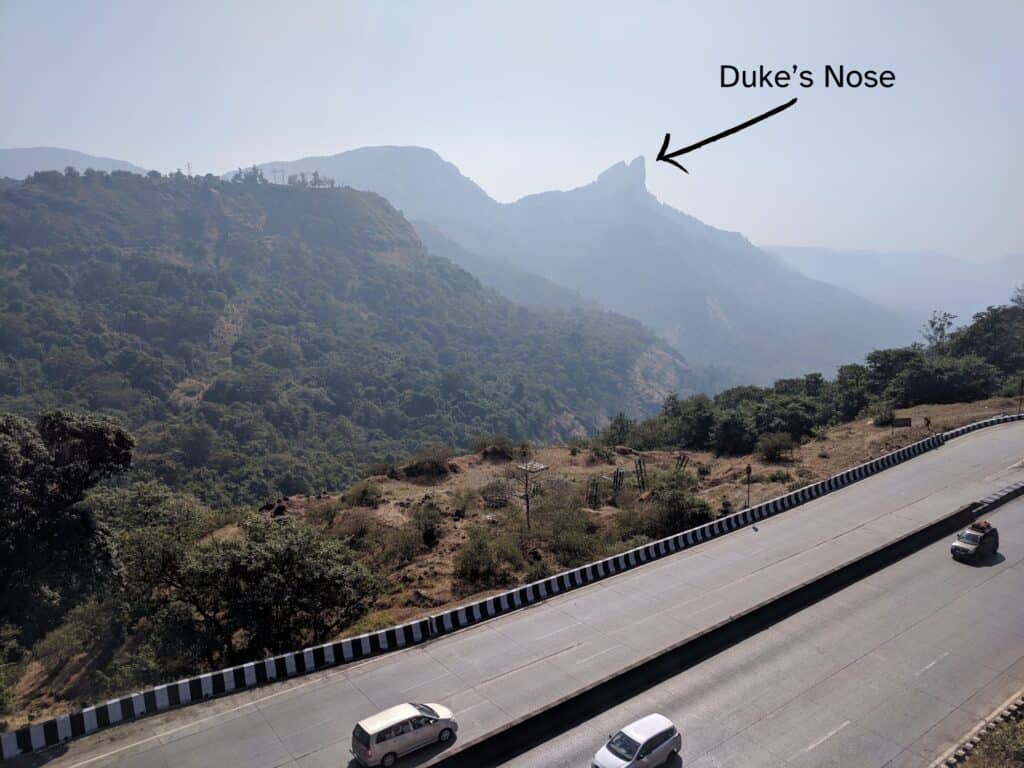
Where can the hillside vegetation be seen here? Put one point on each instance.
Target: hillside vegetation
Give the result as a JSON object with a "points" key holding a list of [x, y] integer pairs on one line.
{"points": [[982, 359], [261, 340]]}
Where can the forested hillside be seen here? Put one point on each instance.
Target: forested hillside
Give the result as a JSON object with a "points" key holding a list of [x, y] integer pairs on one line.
{"points": [[262, 339]]}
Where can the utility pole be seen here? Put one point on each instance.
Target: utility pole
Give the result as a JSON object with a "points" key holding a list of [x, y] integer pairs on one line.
{"points": [[1020, 395], [748, 486], [529, 469]]}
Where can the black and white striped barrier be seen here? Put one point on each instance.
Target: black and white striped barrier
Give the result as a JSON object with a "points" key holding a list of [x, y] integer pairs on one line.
{"points": [[1000, 497], [254, 674], [982, 424]]}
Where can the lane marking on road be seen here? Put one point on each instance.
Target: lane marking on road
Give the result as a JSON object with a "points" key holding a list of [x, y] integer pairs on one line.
{"points": [[926, 667], [599, 653], [827, 736], [225, 714]]}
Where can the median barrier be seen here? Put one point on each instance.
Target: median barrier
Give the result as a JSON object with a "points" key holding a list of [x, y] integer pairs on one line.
{"points": [[555, 718]]}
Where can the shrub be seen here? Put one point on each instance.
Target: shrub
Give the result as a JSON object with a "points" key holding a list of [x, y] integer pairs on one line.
{"points": [[430, 463], [600, 454], [1011, 387], [537, 571], [464, 501], [356, 527], [780, 476], [883, 414], [7, 696], [1003, 748], [495, 494], [496, 447], [486, 559], [775, 446], [81, 627], [573, 538], [403, 544], [427, 519], [676, 506], [631, 524], [365, 493], [142, 668], [378, 468]]}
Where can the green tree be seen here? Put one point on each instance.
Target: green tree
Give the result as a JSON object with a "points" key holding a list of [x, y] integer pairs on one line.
{"points": [[850, 393], [278, 586], [943, 379], [617, 431], [775, 446], [936, 330], [53, 552], [196, 443], [733, 434], [884, 364]]}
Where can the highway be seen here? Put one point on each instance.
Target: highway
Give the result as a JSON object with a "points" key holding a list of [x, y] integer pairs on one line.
{"points": [[891, 671], [506, 668]]}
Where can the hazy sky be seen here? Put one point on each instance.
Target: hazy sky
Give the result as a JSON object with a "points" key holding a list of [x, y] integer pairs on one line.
{"points": [[529, 96]]}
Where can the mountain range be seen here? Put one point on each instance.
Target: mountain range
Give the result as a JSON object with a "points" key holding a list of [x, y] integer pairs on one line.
{"points": [[19, 163], [713, 295], [736, 312], [918, 282]]}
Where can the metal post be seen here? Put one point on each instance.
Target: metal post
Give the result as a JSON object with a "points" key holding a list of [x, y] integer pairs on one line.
{"points": [[526, 494], [748, 486]]}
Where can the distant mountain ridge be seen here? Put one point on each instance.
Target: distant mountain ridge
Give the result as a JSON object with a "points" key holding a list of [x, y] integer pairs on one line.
{"points": [[730, 308], [917, 282], [20, 163], [516, 284], [717, 298]]}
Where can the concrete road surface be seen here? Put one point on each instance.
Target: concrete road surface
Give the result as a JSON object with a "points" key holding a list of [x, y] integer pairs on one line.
{"points": [[506, 668], [889, 672]]}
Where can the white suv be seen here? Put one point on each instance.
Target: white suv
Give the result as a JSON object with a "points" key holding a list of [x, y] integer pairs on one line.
{"points": [[650, 741]]}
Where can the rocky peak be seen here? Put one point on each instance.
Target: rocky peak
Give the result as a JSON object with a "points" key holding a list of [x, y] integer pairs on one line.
{"points": [[630, 176]]}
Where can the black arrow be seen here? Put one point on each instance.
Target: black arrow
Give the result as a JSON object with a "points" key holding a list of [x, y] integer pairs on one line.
{"points": [[667, 156]]}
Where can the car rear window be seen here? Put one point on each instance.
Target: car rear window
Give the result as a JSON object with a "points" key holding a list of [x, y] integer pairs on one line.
{"points": [[423, 708], [360, 736]]}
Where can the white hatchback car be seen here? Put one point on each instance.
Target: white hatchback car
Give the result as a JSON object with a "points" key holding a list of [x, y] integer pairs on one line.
{"points": [[386, 736], [650, 741]]}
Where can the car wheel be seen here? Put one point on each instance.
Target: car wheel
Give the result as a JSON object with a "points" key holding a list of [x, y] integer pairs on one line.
{"points": [[445, 735], [389, 759]]}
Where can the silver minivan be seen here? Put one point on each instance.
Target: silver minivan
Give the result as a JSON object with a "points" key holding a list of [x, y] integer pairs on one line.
{"points": [[648, 742], [386, 736]]}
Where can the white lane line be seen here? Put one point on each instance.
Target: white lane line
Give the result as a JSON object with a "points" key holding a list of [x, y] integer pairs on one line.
{"points": [[314, 679], [926, 667], [599, 653], [827, 736]]}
